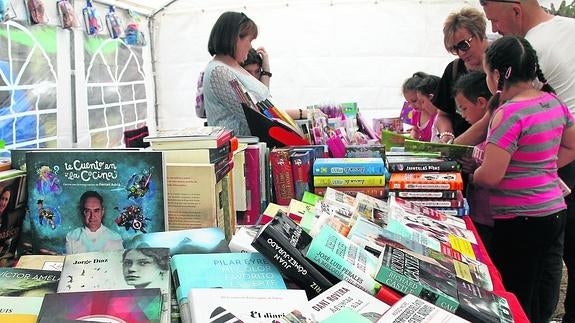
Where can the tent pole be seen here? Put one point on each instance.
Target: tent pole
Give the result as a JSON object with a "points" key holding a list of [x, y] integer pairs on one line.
{"points": [[162, 8], [154, 76]]}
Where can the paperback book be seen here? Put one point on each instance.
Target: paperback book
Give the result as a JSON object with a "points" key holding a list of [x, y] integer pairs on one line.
{"points": [[20, 309], [349, 166], [121, 192], [191, 138], [426, 181], [447, 150], [28, 282], [12, 211], [414, 309], [421, 164]]}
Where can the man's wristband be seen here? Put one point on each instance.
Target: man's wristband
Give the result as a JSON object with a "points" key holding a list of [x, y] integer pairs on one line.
{"points": [[266, 73]]}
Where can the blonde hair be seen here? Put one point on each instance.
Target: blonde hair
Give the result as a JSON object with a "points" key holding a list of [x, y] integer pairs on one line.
{"points": [[469, 18]]}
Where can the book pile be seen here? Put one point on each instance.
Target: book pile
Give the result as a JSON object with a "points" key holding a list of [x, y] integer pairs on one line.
{"points": [[427, 179], [350, 175], [386, 250]]}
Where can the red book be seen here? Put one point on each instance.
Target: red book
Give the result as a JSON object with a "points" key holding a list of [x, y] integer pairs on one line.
{"points": [[282, 175], [301, 167], [253, 185]]}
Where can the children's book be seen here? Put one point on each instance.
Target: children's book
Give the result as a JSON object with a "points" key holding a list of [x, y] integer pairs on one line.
{"points": [[391, 139], [349, 166], [19, 309], [374, 191], [128, 305], [190, 138], [28, 282], [121, 192], [349, 180], [221, 270], [283, 242], [421, 164], [140, 268], [201, 240], [365, 151], [243, 305], [447, 150], [426, 194]]}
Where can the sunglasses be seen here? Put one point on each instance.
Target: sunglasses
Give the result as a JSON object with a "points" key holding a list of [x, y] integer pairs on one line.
{"points": [[484, 2], [463, 46]]}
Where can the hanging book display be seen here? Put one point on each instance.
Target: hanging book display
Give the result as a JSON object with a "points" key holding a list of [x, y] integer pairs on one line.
{"points": [[133, 35], [66, 14], [36, 12], [268, 123], [92, 21], [113, 24]]}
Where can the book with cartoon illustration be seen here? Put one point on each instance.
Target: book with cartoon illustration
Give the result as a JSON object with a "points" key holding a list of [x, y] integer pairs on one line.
{"points": [[122, 195]]}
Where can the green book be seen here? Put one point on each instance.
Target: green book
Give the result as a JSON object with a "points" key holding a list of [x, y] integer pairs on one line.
{"points": [[391, 139], [447, 150]]}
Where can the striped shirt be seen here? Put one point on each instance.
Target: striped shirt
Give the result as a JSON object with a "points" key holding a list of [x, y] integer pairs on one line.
{"points": [[531, 132]]}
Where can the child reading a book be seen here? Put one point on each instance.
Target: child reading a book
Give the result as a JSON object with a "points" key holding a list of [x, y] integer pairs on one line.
{"points": [[471, 96], [418, 90], [530, 135]]}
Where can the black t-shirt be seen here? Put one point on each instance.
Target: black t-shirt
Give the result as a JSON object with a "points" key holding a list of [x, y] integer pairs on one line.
{"points": [[444, 100]]}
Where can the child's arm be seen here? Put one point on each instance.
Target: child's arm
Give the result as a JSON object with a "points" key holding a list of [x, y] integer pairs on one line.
{"points": [[444, 125], [476, 133], [495, 163], [567, 149]]}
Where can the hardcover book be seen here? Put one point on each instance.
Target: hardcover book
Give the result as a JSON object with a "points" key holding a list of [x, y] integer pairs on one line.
{"points": [[374, 191], [222, 270], [426, 194], [282, 175], [349, 166], [365, 151], [121, 192], [28, 282], [201, 155], [19, 309], [349, 180], [426, 181], [283, 243], [44, 262], [421, 164], [254, 190], [344, 259], [141, 268], [447, 150], [12, 211], [242, 239], [190, 138], [139, 305], [200, 240], [243, 305], [301, 163]]}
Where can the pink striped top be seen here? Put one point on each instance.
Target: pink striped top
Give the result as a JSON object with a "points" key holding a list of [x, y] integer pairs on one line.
{"points": [[531, 132]]}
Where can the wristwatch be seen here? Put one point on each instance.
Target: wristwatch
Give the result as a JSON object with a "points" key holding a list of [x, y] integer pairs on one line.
{"points": [[266, 73]]}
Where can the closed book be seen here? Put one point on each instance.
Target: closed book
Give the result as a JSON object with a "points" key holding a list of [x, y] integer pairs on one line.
{"points": [[349, 180], [301, 163], [243, 305], [349, 166], [190, 138], [199, 240], [139, 268], [44, 262], [426, 181], [414, 309], [254, 190], [13, 195], [28, 282], [20, 309], [201, 155], [344, 259], [479, 305], [374, 191], [411, 208], [242, 239], [283, 243], [222, 270], [367, 206], [365, 151], [447, 150], [421, 164], [127, 305], [282, 175], [297, 209], [425, 194], [127, 187], [450, 203]]}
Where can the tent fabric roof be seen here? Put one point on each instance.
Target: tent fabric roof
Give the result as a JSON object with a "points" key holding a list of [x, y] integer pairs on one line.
{"points": [[145, 7]]}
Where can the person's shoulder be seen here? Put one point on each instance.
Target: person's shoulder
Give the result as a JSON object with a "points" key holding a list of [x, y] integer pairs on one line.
{"points": [[113, 234], [74, 234]]}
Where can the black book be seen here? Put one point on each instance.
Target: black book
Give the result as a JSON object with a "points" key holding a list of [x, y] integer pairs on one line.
{"points": [[421, 164], [284, 243]]}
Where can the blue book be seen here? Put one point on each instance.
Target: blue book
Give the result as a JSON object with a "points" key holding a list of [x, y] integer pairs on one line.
{"points": [[349, 166], [222, 270]]}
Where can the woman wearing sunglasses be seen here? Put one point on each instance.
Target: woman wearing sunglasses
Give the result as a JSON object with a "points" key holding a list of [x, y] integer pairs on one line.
{"points": [[464, 35]]}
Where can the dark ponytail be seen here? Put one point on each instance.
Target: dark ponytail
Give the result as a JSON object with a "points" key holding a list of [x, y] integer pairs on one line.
{"points": [[546, 86]]}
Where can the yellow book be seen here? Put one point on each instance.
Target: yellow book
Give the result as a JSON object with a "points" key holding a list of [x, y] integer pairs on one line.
{"points": [[345, 181]]}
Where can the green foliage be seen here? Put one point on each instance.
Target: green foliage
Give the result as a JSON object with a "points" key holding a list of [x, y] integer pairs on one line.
{"points": [[566, 10]]}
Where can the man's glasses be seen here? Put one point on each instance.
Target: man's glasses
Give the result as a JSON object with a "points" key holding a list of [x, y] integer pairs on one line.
{"points": [[463, 46], [484, 2]]}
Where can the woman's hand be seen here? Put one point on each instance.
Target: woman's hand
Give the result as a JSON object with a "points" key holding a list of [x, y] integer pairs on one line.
{"points": [[265, 58]]}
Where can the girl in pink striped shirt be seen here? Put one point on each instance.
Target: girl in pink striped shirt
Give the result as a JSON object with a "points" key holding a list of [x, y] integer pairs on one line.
{"points": [[531, 134]]}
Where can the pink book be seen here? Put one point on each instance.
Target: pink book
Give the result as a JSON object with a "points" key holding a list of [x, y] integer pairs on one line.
{"points": [[253, 189]]}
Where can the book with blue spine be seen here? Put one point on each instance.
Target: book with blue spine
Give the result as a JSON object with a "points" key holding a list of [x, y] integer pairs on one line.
{"points": [[349, 166]]}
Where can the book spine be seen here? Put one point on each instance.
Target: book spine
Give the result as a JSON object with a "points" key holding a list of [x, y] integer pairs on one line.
{"points": [[282, 176], [290, 262], [339, 181], [459, 211], [301, 165], [425, 194], [363, 151], [374, 191], [349, 166], [406, 285], [253, 185], [424, 186], [439, 203], [439, 166]]}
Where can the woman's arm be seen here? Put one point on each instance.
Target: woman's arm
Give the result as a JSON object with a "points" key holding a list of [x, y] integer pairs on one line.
{"points": [[476, 133]]}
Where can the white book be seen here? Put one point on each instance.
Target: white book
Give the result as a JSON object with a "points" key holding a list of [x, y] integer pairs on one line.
{"points": [[242, 239], [245, 305], [411, 308]]}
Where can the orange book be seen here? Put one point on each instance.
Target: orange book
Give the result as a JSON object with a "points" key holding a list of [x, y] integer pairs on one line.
{"points": [[426, 181]]}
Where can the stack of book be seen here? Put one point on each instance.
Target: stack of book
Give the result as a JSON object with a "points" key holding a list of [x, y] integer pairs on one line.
{"points": [[199, 163], [428, 180], [350, 175]]}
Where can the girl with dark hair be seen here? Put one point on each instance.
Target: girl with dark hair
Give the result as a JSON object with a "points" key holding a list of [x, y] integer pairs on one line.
{"points": [[418, 90], [530, 135]]}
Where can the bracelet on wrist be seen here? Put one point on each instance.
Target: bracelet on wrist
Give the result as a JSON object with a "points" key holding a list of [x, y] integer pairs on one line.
{"points": [[266, 73]]}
